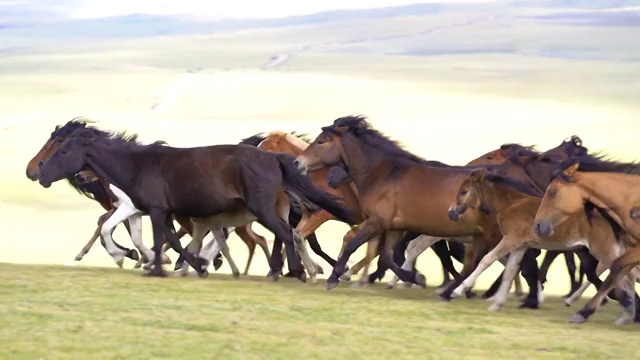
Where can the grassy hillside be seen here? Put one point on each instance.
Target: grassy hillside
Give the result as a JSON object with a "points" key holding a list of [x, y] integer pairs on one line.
{"points": [[60, 313]]}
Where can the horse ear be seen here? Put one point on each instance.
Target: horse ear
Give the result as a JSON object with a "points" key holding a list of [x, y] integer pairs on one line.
{"points": [[571, 170], [478, 174]]}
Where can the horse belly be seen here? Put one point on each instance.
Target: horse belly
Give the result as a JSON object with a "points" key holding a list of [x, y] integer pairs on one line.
{"points": [[559, 245], [234, 218]]}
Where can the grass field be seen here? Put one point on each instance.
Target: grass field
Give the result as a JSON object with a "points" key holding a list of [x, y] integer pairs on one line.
{"points": [[53, 313], [451, 83]]}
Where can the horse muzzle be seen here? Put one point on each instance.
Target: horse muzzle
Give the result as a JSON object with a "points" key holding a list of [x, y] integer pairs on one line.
{"points": [[543, 228], [45, 183], [455, 212], [300, 165]]}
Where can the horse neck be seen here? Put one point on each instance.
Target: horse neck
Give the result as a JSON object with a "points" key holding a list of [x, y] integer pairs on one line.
{"points": [[295, 143], [616, 203], [360, 163], [112, 165], [501, 197]]}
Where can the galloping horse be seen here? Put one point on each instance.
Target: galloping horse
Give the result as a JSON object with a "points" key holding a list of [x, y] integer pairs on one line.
{"points": [[236, 181], [398, 191], [609, 186]]}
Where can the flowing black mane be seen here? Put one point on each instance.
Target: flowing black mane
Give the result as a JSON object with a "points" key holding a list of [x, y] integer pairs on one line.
{"points": [[513, 184], [254, 140], [595, 163], [72, 125], [359, 127]]}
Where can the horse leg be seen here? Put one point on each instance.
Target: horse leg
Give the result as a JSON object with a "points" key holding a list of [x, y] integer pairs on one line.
{"points": [[366, 230], [530, 272], [506, 245], [122, 213], [471, 258], [511, 270], [243, 234], [95, 235], [549, 256], [373, 249], [571, 268], [415, 248], [198, 233], [391, 238], [576, 295], [398, 256], [442, 249], [157, 223], [620, 267], [221, 246], [307, 226]]}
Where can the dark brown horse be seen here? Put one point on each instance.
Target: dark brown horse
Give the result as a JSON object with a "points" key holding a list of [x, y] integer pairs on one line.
{"points": [[224, 180]]}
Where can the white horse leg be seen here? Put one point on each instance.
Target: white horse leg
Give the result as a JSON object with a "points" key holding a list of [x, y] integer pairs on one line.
{"points": [[135, 224], [416, 247], [199, 232], [219, 238], [122, 213], [502, 249], [510, 272], [300, 247]]}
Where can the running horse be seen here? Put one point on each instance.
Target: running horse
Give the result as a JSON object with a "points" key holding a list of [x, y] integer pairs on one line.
{"points": [[236, 181], [607, 185], [398, 191]]}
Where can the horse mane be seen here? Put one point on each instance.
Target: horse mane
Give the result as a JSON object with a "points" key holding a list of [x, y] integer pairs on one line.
{"points": [[508, 146], [360, 128], [618, 231], [513, 184], [598, 162], [302, 136], [253, 140], [72, 125]]}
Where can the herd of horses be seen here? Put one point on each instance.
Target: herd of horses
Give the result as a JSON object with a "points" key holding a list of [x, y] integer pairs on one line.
{"points": [[504, 206]]}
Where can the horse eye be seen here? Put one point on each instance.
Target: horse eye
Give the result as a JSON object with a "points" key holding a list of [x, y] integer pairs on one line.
{"points": [[320, 142], [463, 192], [553, 193]]}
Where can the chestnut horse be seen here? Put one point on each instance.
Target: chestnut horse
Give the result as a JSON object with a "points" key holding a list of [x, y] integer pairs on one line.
{"points": [[515, 205], [609, 186], [398, 191], [295, 144]]}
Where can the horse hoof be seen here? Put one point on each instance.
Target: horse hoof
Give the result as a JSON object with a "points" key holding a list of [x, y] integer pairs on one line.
{"points": [[133, 255], [166, 261], [420, 280], [203, 274], [138, 265], [444, 297], [119, 262], [236, 275], [389, 286], [302, 277], [408, 285], [320, 270], [567, 303], [577, 319], [289, 275], [528, 305], [331, 284], [155, 273], [178, 265], [78, 258], [470, 294], [495, 307], [217, 263]]}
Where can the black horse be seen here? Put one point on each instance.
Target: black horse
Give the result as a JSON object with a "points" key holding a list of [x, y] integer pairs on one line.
{"points": [[197, 182]]}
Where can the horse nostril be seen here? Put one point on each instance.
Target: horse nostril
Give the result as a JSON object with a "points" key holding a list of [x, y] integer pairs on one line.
{"points": [[296, 163], [40, 163]]}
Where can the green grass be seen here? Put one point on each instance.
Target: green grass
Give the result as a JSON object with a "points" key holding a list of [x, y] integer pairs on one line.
{"points": [[51, 312]]}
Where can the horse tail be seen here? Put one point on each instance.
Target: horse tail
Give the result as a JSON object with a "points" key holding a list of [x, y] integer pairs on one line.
{"points": [[303, 187]]}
